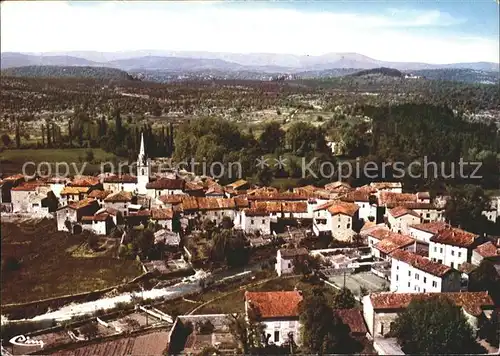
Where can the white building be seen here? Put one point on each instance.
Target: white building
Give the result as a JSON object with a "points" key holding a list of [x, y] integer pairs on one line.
{"points": [[285, 259], [118, 201], [100, 223], [487, 251], [394, 241], [336, 219], [452, 246], [165, 186], [163, 217], [411, 273], [365, 200], [27, 198], [400, 219], [253, 219], [380, 310], [143, 169], [215, 209], [117, 183], [278, 311]]}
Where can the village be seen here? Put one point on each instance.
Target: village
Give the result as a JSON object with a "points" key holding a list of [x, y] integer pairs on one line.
{"points": [[384, 246]]}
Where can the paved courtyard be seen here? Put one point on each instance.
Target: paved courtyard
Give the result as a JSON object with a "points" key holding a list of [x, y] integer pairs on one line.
{"points": [[354, 282]]}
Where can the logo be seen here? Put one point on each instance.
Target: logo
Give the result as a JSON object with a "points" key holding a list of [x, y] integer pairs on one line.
{"points": [[21, 340]]}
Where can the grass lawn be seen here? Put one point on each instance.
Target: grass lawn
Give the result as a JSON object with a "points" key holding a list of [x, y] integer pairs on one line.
{"points": [[54, 155], [233, 301], [48, 269]]}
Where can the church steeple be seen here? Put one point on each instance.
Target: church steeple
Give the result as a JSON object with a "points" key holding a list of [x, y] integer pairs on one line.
{"points": [[141, 159]]}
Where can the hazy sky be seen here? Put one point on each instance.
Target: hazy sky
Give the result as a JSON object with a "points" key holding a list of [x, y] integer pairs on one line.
{"points": [[433, 31]]}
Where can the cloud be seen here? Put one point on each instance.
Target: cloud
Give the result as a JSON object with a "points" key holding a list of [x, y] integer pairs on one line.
{"points": [[235, 27]]}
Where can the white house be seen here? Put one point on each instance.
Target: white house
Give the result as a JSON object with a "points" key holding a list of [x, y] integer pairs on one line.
{"points": [[411, 273], [99, 195], [253, 219], [376, 234], [116, 183], [337, 221], [365, 200], [400, 219], [285, 259], [380, 310], [165, 186], [452, 246], [423, 232], [278, 311], [71, 194], [215, 209], [493, 210], [68, 217], [119, 201], [487, 251], [394, 241], [100, 223], [27, 197], [163, 217]]}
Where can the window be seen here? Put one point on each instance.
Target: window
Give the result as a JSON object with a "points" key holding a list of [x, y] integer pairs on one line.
{"points": [[441, 250], [348, 226], [409, 273], [397, 277], [338, 227], [276, 336], [408, 284], [451, 265], [434, 284], [452, 253], [263, 221], [425, 279], [416, 276], [251, 222], [435, 249], [460, 254], [382, 328], [289, 265], [397, 267]]}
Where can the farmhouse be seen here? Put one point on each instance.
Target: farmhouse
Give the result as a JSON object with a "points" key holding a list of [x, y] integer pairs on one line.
{"points": [[413, 273], [338, 221], [380, 310], [28, 196], [100, 223], [215, 209], [285, 259], [488, 251], [70, 215], [278, 311], [119, 201], [255, 219]]}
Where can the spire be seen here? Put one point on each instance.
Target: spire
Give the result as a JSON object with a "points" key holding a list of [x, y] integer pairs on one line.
{"points": [[141, 151], [141, 159]]}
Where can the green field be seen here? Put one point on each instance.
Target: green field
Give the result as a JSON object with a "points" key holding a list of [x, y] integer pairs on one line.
{"points": [[54, 155]]}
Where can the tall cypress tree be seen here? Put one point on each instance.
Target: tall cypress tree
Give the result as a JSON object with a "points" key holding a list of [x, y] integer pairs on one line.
{"points": [[18, 135], [70, 134], [49, 141]]}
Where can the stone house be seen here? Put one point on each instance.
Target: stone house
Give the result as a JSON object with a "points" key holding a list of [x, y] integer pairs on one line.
{"points": [[399, 219], [285, 259]]}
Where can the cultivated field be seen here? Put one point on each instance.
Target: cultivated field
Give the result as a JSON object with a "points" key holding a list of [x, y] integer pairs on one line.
{"points": [[48, 269]]}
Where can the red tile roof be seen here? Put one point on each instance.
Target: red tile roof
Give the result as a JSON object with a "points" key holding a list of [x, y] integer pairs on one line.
{"points": [[165, 183], [294, 207], [216, 203], [121, 196], [84, 181], [472, 302], [338, 186], [386, 185], [394, 242], [82, 203], [401, 211], [241, 202], [97, 217], [380, 233], [99, 194], [488, 249], [189, 203], [343, 208], [256, 212], [13, 178], [29, 186], [455, 237], [172, 199], [353, 318], [386, 198], [162, 214], [293, 252], [274, 304], [326, 205], [238, 184], [74, 190], [432, 227], [421, 263], [357, 195], [124, 178]]}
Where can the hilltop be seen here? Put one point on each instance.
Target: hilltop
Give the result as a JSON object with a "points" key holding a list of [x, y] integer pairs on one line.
{"points": [[68, 71]]}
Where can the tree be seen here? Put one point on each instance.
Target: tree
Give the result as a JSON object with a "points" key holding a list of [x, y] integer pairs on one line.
{"points": [[89, 155], [465, 208], [305, 264], [90, 330], [344, 299], [433, 326], [265, 176], [248, 332], [18, 135], [321, 329], [92, 241], [227, 223], [485, 278], [6, 140], [272, 137], [145, 242]]}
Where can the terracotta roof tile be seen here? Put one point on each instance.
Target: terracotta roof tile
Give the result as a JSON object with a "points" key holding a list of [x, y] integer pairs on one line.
{"points": [[13, 178], [193, 186], [166, 183], [84, 181], [215, 189], [353, 318], [432, 227], [386, 198], [162, 214], [326, 205], [455, 237], [394, 242], [121, 196], [172, 199], [215, 203], [338, 186], [386, 185], [99, 194], [256, 212], [415, 205], [29, 186], [238, 184], [74, 190], [241, 202], [421, 263], [294, 207], [124, 178], [274, 304], [97, 217], [343, 208], [467, 267], [380, 233], [189, 203], [357, 195], [472, 302], [401, 211], [488, 249], [82, 203], [269, 206]]}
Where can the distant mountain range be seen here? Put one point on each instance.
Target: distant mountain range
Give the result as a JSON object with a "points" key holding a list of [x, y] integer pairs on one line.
{"points": [[175, 65]]}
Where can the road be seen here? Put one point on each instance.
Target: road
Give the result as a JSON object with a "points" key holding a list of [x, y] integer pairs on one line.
{"points": [[188, 286]]}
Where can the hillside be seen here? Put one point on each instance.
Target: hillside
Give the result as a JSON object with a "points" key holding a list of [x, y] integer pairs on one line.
{"points": [[68, 71], [390, 72]]}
